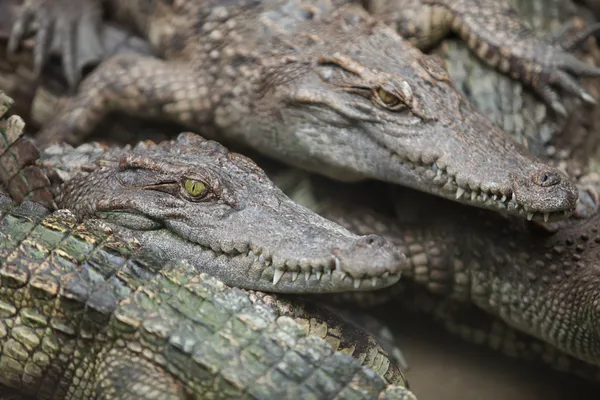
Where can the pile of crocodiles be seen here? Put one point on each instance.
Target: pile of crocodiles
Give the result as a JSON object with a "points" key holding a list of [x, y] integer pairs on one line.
{"points": [[176, 269]]}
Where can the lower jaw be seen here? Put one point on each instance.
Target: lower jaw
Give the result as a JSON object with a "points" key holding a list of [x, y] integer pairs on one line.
{"points": [[247, 271], [502, 204]]}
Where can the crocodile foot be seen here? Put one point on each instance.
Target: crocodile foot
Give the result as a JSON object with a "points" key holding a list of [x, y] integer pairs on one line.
{"points": [[71, 28]]}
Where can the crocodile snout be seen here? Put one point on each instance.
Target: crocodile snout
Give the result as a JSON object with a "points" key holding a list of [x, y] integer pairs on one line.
{"points": [[545, 194], [370, 257]]}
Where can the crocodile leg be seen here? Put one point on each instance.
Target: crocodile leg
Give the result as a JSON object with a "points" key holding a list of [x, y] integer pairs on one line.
{"points": [[493, 30], [134, 84], [72, 29]]}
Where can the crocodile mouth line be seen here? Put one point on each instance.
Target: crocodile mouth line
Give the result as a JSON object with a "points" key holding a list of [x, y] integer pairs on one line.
{"points": [[315, 270], [328, 266], [447, 185]]}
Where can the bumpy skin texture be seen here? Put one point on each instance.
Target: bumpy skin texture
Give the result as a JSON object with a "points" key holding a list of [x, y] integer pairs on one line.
{"points": [[239, 228], [17, 174], [192, 199], [92, 313], [494, 31], [87, 315], [320, 86], [539, 283], [518, 111]]}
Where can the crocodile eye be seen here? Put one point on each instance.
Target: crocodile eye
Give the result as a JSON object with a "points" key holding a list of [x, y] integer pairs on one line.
{"points": [[387, 98], [194, 188]]}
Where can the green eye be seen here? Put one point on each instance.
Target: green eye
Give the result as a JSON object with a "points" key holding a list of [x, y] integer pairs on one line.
{"points": [[194, 188], [387, 98]]}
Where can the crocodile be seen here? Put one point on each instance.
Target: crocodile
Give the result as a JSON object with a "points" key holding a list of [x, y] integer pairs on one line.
{"points": [[433, 269], [87, 316], [192, 198], [568, 142], [433, 285], [89, 311], [320, 86]]}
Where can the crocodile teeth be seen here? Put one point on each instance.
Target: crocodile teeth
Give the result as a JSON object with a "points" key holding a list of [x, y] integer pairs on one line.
{"points": [[495, 197], [277, 274], [386, 275], [261, 259], [529, 216], [546, 216], [337, 263], [459, 192], [514, 198], [250, 253], [307, 275], [357, 282], [473, 195], [295, 275], [503, 199], [374, 281], [319, 274], [344, 276], [484, 196]]}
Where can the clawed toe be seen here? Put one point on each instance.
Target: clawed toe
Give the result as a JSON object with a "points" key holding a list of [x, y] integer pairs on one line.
{"points": [[74, 35]]}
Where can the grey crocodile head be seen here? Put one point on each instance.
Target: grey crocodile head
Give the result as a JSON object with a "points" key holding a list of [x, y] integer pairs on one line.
{"points": [[365, 104], [192, 199]]}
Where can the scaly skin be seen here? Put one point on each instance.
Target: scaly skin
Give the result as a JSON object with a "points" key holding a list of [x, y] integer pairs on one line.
{"points": [[89, 315], [307, 83], [79, 298], [494, 31], [491, 28], [192, 199], [519, 113], [539, 283]]}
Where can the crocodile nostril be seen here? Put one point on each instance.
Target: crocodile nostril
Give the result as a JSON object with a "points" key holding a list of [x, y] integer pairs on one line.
{"points": [[371, 240], [546, 179]]}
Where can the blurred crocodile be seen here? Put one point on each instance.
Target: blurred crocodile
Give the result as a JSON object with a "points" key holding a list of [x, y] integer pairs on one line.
{"points": [[323, 86]]}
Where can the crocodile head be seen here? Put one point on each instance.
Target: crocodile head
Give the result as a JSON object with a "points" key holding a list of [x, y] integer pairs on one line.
{"points": [[192, 199], [364, 103]]}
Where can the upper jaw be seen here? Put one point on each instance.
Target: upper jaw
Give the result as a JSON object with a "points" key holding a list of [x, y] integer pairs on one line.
{"points": [[288, 249], [431, 175], [359, 263], [314, 257], [248, 267]]}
